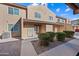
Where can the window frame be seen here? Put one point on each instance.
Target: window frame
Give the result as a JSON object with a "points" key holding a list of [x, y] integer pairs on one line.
{"points": [[9, 10], [15, 11], [38, 15], [50, 18]]}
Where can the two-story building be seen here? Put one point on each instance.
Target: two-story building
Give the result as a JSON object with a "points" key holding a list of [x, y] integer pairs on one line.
{"points": [[24, 22], [27, 22], [39, 20], [10, 18], [75, 24], [62, 24]]}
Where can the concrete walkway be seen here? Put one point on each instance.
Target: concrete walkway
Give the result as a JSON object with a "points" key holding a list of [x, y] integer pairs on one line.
{"points": [[27, 48], [70, 48]]}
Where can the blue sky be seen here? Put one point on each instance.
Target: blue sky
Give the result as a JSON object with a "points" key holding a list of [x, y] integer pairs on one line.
{"points": [[60, 9]]}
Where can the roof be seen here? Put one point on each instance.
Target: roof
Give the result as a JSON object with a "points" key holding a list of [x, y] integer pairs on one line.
{"points": [[74, 6], [15, 5], [37, 21], [61, 17]]}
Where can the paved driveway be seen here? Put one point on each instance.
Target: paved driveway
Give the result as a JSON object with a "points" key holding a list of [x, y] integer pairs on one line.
{"points": [[10, 47]]}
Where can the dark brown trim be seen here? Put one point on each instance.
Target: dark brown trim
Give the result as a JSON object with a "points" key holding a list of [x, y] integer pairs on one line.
{"points": [[14, 5], [61, 17], [37, 21], [74, 7]]}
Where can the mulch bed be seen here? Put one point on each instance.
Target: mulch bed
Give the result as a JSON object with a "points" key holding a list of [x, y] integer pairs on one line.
{"points": [[41, 49]]}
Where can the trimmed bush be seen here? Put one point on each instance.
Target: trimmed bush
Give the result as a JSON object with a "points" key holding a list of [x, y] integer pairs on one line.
{"points": [[60, 36], [69, 34], [44, 39], [52, 35]]}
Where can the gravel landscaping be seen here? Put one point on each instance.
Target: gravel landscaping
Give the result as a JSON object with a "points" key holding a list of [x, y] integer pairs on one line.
{"points": [[41, 49], [10, 48]]}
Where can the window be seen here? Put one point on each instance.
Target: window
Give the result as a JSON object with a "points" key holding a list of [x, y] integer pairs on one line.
{"points": [[16, 11], [37, 15], [36, 29], [10, 26], [13, 28], [50, 18], [13, 11], [58, 20], [61, 20], [16, 28], [10, 10]]}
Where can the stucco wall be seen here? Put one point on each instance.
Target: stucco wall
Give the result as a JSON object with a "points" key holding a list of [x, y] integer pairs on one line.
{"points": [[49, 28], [6, 18], [44, 11]]}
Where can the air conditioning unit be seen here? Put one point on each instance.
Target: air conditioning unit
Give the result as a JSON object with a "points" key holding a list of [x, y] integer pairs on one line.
{"points": [[6, 35]]}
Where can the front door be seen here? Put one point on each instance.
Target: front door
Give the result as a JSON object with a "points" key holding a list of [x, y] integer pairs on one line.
{"points": [[30, 32]]}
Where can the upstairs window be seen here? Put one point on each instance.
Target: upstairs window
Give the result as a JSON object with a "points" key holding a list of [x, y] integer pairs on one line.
{"points": [[16, 11], [13, 11], [50, 18], [10, 10], [37, 15], [61, 20]]}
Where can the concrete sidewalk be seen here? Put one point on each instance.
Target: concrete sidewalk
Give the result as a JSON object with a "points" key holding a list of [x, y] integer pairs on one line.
{"points": [[70, 48], [27, 48]]}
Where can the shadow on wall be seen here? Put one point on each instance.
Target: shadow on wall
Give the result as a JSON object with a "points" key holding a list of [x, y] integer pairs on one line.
{"points": [[16, 30]]}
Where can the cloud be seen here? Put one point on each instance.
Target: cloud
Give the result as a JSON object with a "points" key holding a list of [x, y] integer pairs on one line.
{"points": [[75, 18], [52, 4], [68, 9], [67, 6], [58, 9], [34, 4], [65, 15]]}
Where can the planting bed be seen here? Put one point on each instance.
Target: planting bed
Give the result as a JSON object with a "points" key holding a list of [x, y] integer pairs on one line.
{"points": [[41, 49]]}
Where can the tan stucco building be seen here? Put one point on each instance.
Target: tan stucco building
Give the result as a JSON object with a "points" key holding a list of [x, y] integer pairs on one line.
{"points": [[62, 24], [28, 22]]}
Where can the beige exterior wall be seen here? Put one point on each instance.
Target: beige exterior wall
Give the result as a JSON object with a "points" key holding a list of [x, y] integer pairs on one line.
{"points": [[59, 28], [44, 11], [69, 27], [49, 28], [6, 18], [28, 31], [66, 25]]}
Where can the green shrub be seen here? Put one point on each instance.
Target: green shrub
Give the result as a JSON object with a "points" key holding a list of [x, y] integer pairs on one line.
{"points": [[44, 39], [69, 34], [52, 35], [60, 36]]}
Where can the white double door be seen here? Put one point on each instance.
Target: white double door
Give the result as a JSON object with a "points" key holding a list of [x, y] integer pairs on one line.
{"points": [[31, 32]]}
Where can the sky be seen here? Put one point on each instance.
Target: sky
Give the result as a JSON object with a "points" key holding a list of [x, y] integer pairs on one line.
{"points": [[60, 9]]}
